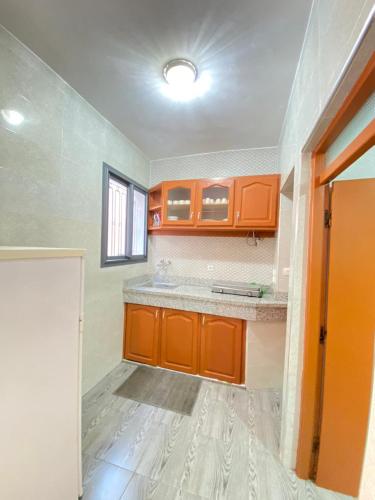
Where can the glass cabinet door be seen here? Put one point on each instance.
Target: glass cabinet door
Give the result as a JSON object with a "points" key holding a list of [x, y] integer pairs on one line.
{"points": [[215, 203], [179, 201]]}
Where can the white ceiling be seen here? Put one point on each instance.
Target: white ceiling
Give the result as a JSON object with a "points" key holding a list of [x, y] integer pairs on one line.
{"points": [[112, 52]]}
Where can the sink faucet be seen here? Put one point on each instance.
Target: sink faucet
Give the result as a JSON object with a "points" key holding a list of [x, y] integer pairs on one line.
{"points": [[162, 269]]}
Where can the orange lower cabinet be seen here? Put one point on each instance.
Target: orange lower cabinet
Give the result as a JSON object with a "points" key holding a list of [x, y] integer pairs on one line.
{"points": [[179, 340], [221, 348], [141, 336]]}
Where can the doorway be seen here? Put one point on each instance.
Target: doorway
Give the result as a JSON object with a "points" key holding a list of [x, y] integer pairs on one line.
{"points": [[340, 320]]}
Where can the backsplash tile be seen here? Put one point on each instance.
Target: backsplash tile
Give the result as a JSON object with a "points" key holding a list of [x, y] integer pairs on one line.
{"points": [[231, 258]]}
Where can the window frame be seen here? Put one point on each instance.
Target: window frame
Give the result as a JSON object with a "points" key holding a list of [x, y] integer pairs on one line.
{"points": [[132, 186]]}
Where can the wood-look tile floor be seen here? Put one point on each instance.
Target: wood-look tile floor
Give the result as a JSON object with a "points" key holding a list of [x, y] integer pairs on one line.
{"points": [[227, 449]]}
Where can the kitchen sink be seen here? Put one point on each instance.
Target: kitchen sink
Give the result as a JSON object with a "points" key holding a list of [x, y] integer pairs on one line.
{"points": [[165, 285]]}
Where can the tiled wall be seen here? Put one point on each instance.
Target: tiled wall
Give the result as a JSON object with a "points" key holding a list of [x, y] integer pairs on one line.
{"points": [[332, 32], [51, 187], [231, 257], [255, 161]]}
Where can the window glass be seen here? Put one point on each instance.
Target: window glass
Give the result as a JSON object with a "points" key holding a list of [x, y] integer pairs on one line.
{"points": [[117, 201], [139, 222], [124, 219]]}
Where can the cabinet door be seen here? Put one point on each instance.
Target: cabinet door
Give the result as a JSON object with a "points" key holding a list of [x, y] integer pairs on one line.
{"points": [[256, 201], [221, 348], [179, 340], [142, 334], [179, 203], [215, 202]]}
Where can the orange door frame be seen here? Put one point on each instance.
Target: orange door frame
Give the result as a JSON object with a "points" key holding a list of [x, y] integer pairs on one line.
{"points": [[322, 174]]}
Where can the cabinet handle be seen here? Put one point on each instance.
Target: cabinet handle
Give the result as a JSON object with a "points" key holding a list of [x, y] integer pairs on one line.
{"points": [[203, 319], [163, 314], [191, 215], [199, 216], [156, 313], [238, 215]]}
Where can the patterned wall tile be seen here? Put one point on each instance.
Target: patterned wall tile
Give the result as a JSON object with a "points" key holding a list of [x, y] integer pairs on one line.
{"points": [[231, 257], [253, 161]]}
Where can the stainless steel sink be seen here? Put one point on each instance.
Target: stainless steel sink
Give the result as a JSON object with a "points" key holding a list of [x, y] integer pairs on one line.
{"points": [[165, 285]]}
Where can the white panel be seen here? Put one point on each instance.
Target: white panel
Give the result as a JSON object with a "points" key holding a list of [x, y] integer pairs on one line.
{"points": [[265, 346], [39, 379]]}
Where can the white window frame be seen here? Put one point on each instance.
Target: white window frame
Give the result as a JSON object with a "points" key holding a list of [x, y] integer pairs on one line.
{"points": [[108, 173]]}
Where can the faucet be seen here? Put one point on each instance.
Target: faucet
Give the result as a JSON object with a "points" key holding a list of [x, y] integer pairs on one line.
{"points": [[162, 270]]}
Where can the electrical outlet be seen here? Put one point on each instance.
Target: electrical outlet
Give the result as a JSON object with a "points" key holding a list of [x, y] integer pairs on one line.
{"points": [[210, 267], [285, 271]]}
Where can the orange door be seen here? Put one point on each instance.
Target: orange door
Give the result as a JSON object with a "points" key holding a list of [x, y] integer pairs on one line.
{"points": [[215, 200], [350, 336], [142, 334], [256, 201], [178, 203], [221, 348], [179, 341]]}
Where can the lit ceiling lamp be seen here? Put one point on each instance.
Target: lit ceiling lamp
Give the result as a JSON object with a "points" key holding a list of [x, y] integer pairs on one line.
{"points": [[12, 116], [182, 82], [180, 72]]}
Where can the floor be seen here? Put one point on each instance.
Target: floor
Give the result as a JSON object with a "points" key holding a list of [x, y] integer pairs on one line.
{"points": [[227, 449]]}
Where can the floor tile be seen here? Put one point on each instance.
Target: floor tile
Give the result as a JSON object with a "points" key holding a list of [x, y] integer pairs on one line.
{"points": [[226, 450], [103, 481], [144, 488]]}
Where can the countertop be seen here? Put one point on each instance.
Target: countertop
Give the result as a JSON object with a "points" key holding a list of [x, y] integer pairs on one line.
{"points": [[190, 296]]}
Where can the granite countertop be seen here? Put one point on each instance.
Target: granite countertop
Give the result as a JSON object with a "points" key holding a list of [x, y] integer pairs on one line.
{"points": [[196, 295]]}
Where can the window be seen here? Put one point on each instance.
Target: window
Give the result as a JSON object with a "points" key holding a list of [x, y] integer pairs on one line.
{"points": [[124, 219]]}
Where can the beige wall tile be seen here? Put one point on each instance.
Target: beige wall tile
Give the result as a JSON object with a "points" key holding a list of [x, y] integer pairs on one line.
{"points": [[333, 29], [51, 188]]}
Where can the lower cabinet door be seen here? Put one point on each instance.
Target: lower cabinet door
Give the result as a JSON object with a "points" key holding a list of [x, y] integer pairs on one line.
{"points": [[221, 348], [179, 340], [142, 334]]}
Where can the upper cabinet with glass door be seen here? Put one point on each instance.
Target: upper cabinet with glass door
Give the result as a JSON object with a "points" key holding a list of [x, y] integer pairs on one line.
{"points": [[215, 199], [234, 205], [179, 203]]}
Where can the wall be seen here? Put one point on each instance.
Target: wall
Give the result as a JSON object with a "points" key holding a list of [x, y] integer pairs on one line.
{"points": [[50, 187], [231, 258], [265, 346], [332, 32], [283, 245]]}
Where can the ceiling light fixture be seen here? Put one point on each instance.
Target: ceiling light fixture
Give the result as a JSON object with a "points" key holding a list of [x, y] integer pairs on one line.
{"points": [[12, 116], [180, 72], [182, 82]]}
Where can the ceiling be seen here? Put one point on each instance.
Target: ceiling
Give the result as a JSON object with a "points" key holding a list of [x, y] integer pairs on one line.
{"points": [[112, 52]]}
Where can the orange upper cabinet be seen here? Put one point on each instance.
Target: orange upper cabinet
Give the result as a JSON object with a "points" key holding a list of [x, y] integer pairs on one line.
{"points": [[215, 201], [142, 334], [221, 348], [179, 341], [178, 203], [256, 201]]}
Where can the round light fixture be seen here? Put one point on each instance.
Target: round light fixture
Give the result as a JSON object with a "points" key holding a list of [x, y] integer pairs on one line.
{"points": [[180, 73], [12, 116]]}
